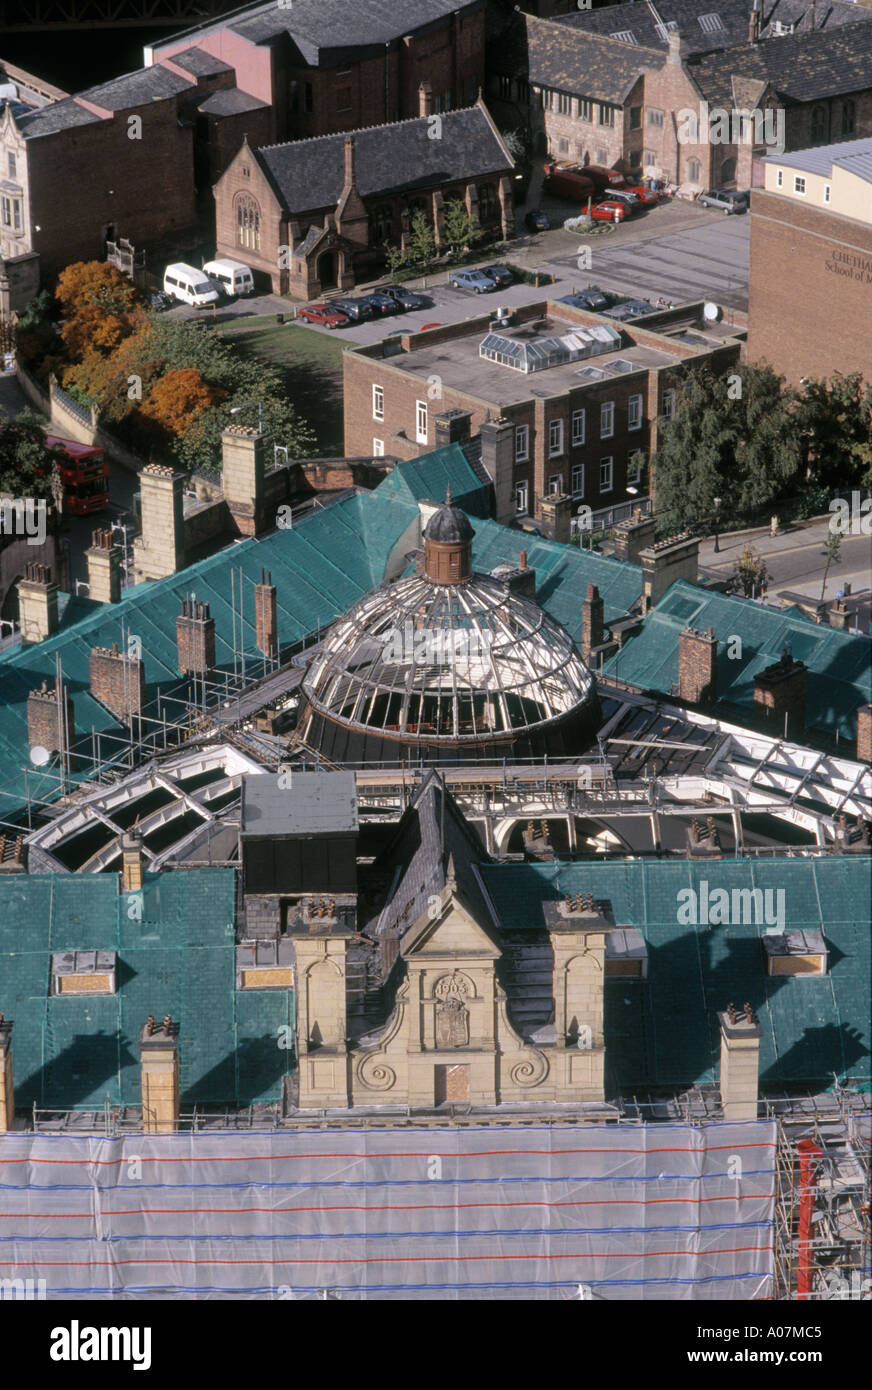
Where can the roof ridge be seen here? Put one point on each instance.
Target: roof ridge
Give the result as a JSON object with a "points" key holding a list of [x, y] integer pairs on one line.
{"points": [[360, 130]]}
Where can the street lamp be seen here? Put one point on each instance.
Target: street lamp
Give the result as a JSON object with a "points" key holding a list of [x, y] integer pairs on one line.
{"points": [[245, 405], [120, 526], [718, 503]]}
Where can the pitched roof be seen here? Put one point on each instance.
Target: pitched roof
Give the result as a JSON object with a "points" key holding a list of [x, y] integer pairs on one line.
{"points": [[427, 478], [854, 156], [403, 156], [201, 63], [572, 60], [840, 670], [230, 102], [663, 1032], [58, 115], [709, 24], [800, 67], [133, 89]]}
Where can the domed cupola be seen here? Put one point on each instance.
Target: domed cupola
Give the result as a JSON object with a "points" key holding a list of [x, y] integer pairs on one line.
{"points": [[448, 545]]}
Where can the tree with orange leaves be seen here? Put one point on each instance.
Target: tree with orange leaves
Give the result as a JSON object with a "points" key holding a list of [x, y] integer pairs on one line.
{"points": [[175, 401], [100, 308]]}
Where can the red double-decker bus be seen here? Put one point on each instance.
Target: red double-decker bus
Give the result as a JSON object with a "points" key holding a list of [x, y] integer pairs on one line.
{"points": [[85, 475]]}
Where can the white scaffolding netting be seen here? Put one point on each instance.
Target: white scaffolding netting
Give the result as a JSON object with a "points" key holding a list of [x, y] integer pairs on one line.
{"points": [[555, 1212]]}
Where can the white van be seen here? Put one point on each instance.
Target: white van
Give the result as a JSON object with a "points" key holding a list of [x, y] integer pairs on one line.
{"points": [[189, 285], [230, 276]]}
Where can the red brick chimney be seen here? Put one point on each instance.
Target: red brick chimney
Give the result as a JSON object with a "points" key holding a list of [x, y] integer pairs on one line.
{"points": [[779, 691], [266, 616], [349, 164], [425, 99], [864, 734], [51, 722], [697, 666], [591, 622], [195, 637], [117, 681]]}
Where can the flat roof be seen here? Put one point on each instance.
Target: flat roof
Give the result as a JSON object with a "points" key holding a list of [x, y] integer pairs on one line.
{"points": [[299, 803], [459, 364]]}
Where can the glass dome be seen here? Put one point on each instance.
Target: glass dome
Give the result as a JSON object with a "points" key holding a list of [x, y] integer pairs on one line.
{"points": [[469, 663]]}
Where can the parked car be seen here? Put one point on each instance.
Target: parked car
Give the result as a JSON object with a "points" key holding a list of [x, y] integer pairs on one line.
{"points": [[603, 179], [725, 200], [324, 314], [355, 309], [189, 286], [568, 181], [649, 197], [407, 299], [609, 211], [631, 201], [380, 304], [230, 278], [585, 299], [472, 280], [631, 309], [500, 274], [537, 221], [159, 301]]}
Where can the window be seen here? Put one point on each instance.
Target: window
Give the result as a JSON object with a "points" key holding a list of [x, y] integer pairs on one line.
{"points": [[655, 117], [11, 213], [248, 223], [505, 88], [710, 23], [378, 402], [563, 147], [607, 115], [308, 98], [83, 972], [488, 203], [668, 404], [555, 438], [693, 170], [564, 104], [635, 159], [265, 964], [848, 118], [578, 426], [578, 480], [522, 443], [691, 129], [635, 466], [606, 471], [343, 99], [607, 419], [378, 448], [634, 413], [547, 99], [635, 118], [521, 494], [12, 166], [555, 484], [826, 192], [381, 224], [602, 156], [421, 422], [624, 36], [779, 178], [798, 184], [446, 101], [523, 91], [649, 157], [819, 125], [585, 110]]}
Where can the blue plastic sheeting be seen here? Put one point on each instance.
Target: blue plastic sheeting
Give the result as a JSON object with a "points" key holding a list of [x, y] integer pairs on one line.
{"points": [[549, 1212]]}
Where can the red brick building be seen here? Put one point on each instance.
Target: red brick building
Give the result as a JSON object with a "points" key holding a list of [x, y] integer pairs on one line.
{"points": [[695, 96], [575, 397], [315, 214], [326, 65]]}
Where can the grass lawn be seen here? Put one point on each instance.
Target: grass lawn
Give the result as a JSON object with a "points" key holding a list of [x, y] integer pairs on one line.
{"points": [[311, 364]]}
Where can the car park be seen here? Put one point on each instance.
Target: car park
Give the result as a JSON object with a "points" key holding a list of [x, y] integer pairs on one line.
{"points": [[568, 181], [537, 221], [475, 280], [609, 211], [406, 299], [586, 299], [648, 197], [189, 285], [631, 201], [355, 309], [380, 304], [327, 315], [725, 200], [500, 274]]}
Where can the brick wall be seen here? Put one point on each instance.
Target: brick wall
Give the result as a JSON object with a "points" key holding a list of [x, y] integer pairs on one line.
{"points": [[864, 734], [117, 681], [780, 690], [697, 666], [195, 638], [810, 277], [45, 722]]}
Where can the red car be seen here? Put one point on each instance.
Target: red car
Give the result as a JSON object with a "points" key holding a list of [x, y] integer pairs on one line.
{"points": [[324, 314], [609, 211], [647, 195]]}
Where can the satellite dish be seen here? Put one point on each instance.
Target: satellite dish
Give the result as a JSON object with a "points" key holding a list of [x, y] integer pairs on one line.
{"points": [[39, 756], [711, 312]]}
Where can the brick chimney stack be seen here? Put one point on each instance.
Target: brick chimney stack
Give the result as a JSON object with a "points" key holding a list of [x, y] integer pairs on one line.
{"points": [[779, 692], [131, 862], [864, 734], [697, 666], [117, 681], [425, 99], [159, 1045], [591, 622], [37, 603], [754, 23], [740, 1063], [104, 568], [266, 616], [51, 721], [349, 163], [195, 637], [7, 1090]]}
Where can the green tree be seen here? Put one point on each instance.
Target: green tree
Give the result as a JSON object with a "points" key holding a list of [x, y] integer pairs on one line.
{"points": [[461, 227], [517, 144], [27, 465], [421, 245], [832, 553], [836, 419], [395, 258], [750, 573], [731, 436]]}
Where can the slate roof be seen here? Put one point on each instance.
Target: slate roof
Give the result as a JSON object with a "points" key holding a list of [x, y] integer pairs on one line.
{"points": [[59, 115], [733, 14], [840, 664], [316, 803], [800, 67], [230, 102], [663, 1032], [325, 31], [854, 156], [309, 174], [133, 89], [200, 63], [571, 60], [179, 958]]}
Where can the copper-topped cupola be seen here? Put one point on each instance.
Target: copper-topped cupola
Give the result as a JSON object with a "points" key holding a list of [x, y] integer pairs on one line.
{"points": [[448, 545]]}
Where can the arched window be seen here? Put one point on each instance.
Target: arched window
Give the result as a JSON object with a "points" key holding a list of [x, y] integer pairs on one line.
{"points": [[819, 125], [848, 118], [248, 222], [487, 202], [693, 170], [381, 224]]}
